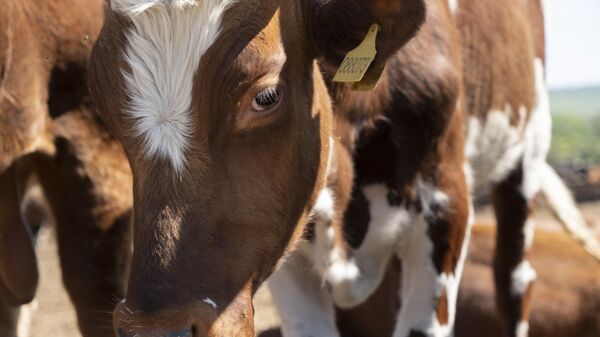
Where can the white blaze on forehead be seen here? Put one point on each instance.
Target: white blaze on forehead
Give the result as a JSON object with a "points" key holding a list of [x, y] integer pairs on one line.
{"points": [[135, 7], [165, 43]]}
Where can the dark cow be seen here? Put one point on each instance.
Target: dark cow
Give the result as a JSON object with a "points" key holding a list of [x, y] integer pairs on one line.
{"points": [[238, 157], [49, 135]]}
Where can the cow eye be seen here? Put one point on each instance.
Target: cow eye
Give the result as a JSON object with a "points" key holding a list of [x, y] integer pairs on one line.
{"points": [[266, 99]]}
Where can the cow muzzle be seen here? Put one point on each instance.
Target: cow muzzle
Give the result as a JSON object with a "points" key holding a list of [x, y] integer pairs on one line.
{"points": [[199, 319], [183, 333]]}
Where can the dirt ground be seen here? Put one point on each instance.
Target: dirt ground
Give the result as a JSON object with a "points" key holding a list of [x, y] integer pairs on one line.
{"points": [[55, 315]]}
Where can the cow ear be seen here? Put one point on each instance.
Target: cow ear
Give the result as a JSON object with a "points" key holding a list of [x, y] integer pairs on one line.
{"points": [[338, 26]]}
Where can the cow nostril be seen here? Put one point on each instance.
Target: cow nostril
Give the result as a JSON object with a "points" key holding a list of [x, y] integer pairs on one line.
{"points": [[121, 333]]}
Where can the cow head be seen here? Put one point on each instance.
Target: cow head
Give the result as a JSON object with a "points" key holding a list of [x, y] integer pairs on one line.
{"points": [[226, 122]]}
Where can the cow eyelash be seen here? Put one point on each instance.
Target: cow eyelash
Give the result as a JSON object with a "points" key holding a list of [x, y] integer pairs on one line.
{"points": [[266, 99]]}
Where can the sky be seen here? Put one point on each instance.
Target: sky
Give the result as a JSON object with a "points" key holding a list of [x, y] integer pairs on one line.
{"points": [[573, 43]]}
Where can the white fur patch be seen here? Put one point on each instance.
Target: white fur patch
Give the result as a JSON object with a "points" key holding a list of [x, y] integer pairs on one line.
{"points": [[421, 286], [324, 207], [453, 6], [371, 258], [537, 136], [431, 197], [522, 329], [452, 281], [136, 7], [341, 269], [164, 46], [330, 261], [529, 232], [210, 302], [494, 148], [387, 224], [522, 277], [305, 307]]}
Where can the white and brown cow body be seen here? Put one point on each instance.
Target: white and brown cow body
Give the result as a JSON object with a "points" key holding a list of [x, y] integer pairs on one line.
{"points": [[35, 38], [235, 148], [566, 293], [50, 138], [463, 105]]}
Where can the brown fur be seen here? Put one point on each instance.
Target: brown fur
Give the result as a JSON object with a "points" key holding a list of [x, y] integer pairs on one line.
{"points": [[34, 38], [566, 295], [512, 211], [18, 264], [48, 131], [421, 97], [271, 169], [92, 217]]}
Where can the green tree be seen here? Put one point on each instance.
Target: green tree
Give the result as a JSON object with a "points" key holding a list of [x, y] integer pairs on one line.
{"points": [[576, 139]]}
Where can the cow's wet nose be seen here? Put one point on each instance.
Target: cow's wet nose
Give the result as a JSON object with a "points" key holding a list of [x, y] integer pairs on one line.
{"points": [[192, 320], [180, 333]]}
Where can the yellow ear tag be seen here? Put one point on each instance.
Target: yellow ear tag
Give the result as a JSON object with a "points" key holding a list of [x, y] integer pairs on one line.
{"points": [[370, 80], [358, 60]]}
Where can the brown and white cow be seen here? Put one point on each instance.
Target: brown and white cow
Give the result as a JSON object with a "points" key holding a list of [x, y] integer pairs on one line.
{"points": [[49, 134], [396, 211], [566, 294], [235, 149]]}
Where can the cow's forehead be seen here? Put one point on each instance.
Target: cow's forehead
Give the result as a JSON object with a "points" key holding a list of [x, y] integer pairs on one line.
{"points": [[164, 46], [166, 42], [135, 7]]}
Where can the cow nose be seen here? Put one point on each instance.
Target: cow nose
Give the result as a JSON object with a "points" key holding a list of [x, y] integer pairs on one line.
{"points": [[190, 320], [181, 333]]}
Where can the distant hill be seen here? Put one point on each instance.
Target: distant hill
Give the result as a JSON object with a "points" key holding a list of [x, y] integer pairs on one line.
{"points": [[576, 127], [584, 102]]}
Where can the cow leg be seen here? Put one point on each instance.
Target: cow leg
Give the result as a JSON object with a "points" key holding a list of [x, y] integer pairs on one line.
{"points": [[433, 254], [93, 239], [513, 274], [383, 222], [513, 201], [305, 306]]}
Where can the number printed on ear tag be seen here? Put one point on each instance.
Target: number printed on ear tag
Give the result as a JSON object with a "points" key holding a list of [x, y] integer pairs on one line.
{"points": [[358, 60]]}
